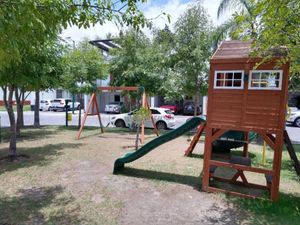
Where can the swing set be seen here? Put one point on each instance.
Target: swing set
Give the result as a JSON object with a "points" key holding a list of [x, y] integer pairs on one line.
{"points": [[94, 106]]}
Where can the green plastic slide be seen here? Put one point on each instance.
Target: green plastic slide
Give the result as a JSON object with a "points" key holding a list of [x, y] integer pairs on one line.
{"points": [[131, 156], [228, 141]]}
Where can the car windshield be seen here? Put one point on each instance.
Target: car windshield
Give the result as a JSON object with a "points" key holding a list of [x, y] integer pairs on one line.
{"points": [[168, 112]]}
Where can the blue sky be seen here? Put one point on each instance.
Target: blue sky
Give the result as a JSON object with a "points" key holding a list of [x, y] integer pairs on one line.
{"points": [[151, 9]]}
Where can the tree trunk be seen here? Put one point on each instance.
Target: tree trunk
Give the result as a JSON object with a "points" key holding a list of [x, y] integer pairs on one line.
{"points": [[79, 116], [12, 152], [20, 114], [37, 110], [196, 102], [137, 137]]}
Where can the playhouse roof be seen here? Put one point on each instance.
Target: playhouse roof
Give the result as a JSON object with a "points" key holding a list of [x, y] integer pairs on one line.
{"points": [[233, 50]]}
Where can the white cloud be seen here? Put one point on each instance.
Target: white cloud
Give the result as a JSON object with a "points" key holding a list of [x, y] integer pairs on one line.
{"points": [[151, 10]]}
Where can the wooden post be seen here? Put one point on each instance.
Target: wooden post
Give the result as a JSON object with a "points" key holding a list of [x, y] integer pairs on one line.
{"points": [[98, 113], [276, 166], [143, 124], [152, 119], [85, 115], [207, 157], [245, 147]]}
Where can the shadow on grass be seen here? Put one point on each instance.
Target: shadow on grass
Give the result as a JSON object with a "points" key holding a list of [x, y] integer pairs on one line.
{"points": [[28, 207], [29, 133], [39, 156], [162, 176], [285, 211]]}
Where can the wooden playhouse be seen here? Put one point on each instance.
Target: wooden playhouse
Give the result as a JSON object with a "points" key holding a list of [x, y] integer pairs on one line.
{"points": [[244, 97]]}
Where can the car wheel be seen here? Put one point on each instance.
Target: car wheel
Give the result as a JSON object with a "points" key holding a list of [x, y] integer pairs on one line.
{"points": [[161, 125], [297, 122], [120, 123]]}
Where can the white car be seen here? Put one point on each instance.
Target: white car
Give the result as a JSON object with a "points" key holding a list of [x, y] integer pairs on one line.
{"points": [[163, 119], [45, 105], [294, 117], [60, 104]]}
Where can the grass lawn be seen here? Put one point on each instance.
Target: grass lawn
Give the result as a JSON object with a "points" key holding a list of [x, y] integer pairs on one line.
{"points": [[69, 181]]}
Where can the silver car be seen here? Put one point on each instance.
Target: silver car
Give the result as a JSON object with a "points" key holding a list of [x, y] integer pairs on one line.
{"points": [[294, 117], [113, 107]]}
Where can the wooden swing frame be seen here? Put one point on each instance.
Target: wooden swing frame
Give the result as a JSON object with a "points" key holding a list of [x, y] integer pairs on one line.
{"points": [[93, 103]]}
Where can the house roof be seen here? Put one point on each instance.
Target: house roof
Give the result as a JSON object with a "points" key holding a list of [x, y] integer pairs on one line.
{"points": [[105, 44], [233, 50]]}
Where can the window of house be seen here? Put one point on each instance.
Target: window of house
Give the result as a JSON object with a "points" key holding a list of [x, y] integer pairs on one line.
{"points": [[229, 79], [265, 79]]}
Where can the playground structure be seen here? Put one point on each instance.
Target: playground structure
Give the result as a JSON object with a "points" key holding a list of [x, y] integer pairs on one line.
{"points": [[94, 106], [245, 98]]}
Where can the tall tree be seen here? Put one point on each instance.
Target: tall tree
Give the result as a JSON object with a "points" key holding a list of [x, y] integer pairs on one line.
{"points": [[243, 24], [163, 60], [279, 26], [131, 65], [82, 67], [193, 48], [28, 24]]}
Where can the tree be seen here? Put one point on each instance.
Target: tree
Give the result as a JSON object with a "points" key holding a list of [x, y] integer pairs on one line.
{"points": [[29, 24], [279, 26], [43, 71], [163, 60], [36, 20], [138, 118], [192, 50], [132, 64], [244, 23], [82, 67]]}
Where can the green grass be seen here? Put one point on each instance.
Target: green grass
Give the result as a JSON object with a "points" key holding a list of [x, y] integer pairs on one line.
{"points": [[285, 211]]}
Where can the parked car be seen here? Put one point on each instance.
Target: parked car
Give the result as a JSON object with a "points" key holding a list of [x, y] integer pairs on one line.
{"points": [[172, 107], [163, 119], [60, 104], [113, 107], [294, 117], [189, 108], [45, 105]]}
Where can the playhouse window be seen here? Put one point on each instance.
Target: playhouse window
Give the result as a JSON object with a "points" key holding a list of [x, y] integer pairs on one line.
{"points": [[265, 79], [229, 79]]}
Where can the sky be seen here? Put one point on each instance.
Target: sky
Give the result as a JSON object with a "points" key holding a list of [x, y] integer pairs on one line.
{"points": [[151, 9]]}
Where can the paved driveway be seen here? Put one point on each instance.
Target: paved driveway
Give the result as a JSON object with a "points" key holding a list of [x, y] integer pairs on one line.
{"points": [[58, 118]]}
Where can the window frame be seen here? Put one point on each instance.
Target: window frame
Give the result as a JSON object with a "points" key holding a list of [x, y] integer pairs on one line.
{"points": [[229, 71], [266, 88]]}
